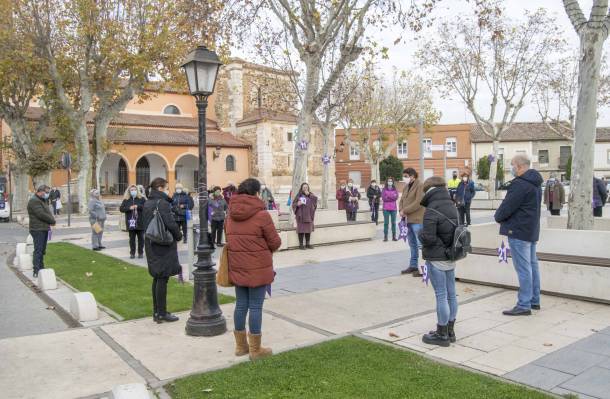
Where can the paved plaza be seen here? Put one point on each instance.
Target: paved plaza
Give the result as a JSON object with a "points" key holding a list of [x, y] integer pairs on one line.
{"points": [[321, 294]]}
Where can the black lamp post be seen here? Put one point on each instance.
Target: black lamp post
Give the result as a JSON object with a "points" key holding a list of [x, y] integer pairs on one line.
{"points": [[201, 68]]}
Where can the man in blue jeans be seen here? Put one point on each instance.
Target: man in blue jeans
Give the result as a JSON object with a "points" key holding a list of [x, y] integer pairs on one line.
{"points": [[411, 209], [519, 218]]}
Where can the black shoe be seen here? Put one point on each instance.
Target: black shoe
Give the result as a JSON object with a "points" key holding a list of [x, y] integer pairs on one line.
{"points": [[394, 238], [184, 241], [35, 274], [451, 331], [385, 239], [517, 312], [439, 337], [97, 248], [417, 273], [536, 307], [132, 256], [309, 246], [409, 270], [302, 246], [140, 256], [168, 317], [156, 318], [102, 247], [220, 245]]}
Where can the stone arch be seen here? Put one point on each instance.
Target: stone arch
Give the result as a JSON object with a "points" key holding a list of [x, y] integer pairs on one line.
{"points": [[149, 166], [171, 109], [114, 174], [186, 170]]}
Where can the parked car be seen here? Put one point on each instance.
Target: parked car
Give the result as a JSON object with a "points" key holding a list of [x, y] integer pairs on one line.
{"points": [[5, 210]]}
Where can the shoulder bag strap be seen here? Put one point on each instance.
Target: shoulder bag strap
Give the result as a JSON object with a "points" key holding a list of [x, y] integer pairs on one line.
{"points": [[443, 215]]}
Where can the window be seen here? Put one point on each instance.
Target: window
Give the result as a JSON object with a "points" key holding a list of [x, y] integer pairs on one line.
{"points": [[143, 172], [354, 153], [427, 148], [230, 163], [543, 157], [451, 146], [608, 156], [402, 150], [289, 135], [356, 176], [171, 110]]}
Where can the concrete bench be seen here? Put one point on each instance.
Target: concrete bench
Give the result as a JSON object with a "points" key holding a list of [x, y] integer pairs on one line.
{"points": [[47, 280], [329, 234], [83, 306]]}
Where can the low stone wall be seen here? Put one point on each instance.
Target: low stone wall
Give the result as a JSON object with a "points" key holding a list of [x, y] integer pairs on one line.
{"points": [[561, 222], [329, 234]]}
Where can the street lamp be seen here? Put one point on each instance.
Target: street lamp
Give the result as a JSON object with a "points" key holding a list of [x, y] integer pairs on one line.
{"points": [[206, 319]]}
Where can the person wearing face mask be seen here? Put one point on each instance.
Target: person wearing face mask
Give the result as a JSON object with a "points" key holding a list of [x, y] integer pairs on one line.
{"points": [[182, 203], [519, 218], [132, 206], [217, 212], [41, 221], [97, 217], [413, 211], [162, 260], [389, 195], [463, 198], [373, 193], [55, 198], [453, 184], [304, 206], [340, 196], [554, 195], [267, 197], [352, 196]]}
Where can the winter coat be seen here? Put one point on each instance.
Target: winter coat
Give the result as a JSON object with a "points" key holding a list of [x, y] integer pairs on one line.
{"points": [[40, 215], [465, 192], [600, 194], [180, 203], [519, 212], [436, 234], [554, 189], [389, 197], [340, 199], [217, 209], [162, 259], [373, 194], [305, 214], [54, 195], [251, 240], [136, 214], [351, 205], [97, 210], [410, 203]]}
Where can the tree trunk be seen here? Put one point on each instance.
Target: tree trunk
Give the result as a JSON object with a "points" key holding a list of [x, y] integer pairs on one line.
{"points": [[84, 166], [20, 190], [580, 215], [493, 170], [326, 174], [375, 173]]}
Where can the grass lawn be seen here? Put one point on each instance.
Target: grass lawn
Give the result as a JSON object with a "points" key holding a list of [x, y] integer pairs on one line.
{"points": [[118, 285], [346, 368]]}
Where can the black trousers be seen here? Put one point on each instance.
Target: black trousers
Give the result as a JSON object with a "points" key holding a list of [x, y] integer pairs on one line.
{"points": [[374, 211], [598, 211], [217, 227], [183, 225], [159, 293], [40, 248], [464, 211], [351, 215], [306, 236], [133, 234], [554, 212]]}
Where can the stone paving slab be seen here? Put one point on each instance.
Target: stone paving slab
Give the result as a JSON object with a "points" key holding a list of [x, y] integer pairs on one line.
{"points": [[570, 360], [538, 376], [69, 364], [168, 352], [594, 382]]}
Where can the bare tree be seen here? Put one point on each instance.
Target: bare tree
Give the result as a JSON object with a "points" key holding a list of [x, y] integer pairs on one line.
{"points": [[472, 58]]}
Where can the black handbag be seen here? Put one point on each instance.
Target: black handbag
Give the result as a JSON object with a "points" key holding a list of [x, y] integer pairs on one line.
{"points": [[156, 230]]}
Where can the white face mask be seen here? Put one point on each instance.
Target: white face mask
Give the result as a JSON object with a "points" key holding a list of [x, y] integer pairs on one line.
{"points": [[263, 187], [464, 179], [178, 191], [350, 185], [406, 179], [374, 185], [342, 187], [390, 183]]}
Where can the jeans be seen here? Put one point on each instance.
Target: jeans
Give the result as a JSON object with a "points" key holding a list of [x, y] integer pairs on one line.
{"points": [[374, 211], [217, 227], [249, 299], [414, 244], [526, 266], [183, 225], [96, 238], [40, 248], [133, 234], [443, 283], [464, 212], [159, 292], [389, 217]]}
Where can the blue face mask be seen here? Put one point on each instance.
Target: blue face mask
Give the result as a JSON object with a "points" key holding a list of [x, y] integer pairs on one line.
{"points": [[133, 193], [513, 171], [45, 196]]}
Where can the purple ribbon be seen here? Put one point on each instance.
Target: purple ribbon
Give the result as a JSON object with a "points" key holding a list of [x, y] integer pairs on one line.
{"points": [[503, 252], [49, 235], [425, 277], [403, 230], [325, 159], [491, 158], [303, 145]]}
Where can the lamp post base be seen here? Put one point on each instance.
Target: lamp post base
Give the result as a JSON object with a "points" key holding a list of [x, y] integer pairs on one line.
{"points": [[206, 318]]}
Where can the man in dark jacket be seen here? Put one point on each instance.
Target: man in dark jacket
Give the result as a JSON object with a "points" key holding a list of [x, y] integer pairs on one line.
{"points": [[55, 197], [41, 221], [182, 204], [373, 193], [600, 195], [519, 218]]}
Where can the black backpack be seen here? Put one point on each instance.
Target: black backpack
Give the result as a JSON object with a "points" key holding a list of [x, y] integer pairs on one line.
{"points": [[460, 246]]}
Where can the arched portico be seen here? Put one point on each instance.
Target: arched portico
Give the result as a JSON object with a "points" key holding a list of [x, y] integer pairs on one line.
{"points": [[114, 174], [187, 171], [150, 166]]}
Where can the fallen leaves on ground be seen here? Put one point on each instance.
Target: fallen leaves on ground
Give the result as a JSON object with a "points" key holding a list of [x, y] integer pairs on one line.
{"points": [[88, 274], [393, 335]]}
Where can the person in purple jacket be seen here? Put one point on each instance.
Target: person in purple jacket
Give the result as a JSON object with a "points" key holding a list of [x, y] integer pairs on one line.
{"points": [[389, 196]]}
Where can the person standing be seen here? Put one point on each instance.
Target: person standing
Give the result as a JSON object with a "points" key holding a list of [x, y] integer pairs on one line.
{"points": [[352, 196], [453, 184], [389, 195], [304, 206], [413, 211], [600, 195], [41, 221], [228, 192], [133, 206], [217, 212], [162, 260], [182, 204], [373, 193], [463, 198], [55, 198], [436, 236], [251, 240], [340, 196], [267, 197], [554, 195], [519, 218], [97, 218]]}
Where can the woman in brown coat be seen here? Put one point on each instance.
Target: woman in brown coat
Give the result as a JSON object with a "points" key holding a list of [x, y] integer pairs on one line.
{"points": [[304, 206], [251, 240]]}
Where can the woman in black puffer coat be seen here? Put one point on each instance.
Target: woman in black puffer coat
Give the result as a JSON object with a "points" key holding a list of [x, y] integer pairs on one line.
{"points": [[436, 236], [162, 259]]}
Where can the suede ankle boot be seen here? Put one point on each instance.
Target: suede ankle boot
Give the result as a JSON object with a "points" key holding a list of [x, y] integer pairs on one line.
{"points": [[241, 343], [256, 350]]}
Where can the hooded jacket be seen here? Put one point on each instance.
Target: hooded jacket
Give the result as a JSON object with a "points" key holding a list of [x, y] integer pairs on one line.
{"points": [[519, 213], [437, 232], [251, 240]]}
